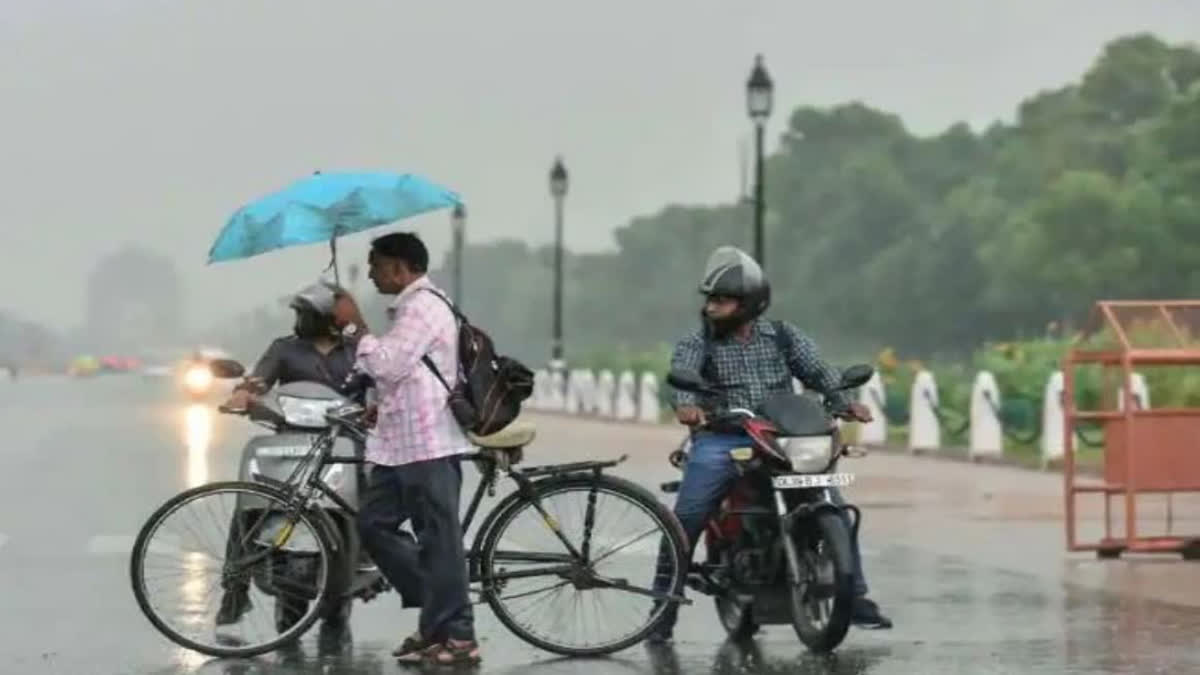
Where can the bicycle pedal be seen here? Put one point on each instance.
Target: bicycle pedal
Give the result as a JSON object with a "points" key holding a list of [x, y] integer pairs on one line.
{"points": [[670, 488]]}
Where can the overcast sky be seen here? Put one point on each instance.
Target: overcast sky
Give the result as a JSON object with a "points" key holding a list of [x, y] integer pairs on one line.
{"points": [[151, 121]]}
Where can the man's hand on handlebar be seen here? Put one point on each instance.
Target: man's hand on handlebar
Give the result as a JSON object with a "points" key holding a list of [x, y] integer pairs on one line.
{"points": [[856, 412], [239, 401], [243, 394], [691, 415]]}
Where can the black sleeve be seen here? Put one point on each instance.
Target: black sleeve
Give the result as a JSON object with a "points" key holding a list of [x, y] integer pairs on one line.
{"points": [[270, 364]]}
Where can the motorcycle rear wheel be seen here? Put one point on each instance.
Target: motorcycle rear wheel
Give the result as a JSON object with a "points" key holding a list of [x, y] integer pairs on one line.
{"points": [[821, 622]]}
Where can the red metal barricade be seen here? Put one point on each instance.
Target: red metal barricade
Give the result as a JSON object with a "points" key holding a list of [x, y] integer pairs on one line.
{"points": [[1145, 450]]}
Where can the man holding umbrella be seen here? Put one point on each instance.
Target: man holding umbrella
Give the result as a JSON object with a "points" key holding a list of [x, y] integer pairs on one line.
{"points": [[415, 447], [414, 452]]}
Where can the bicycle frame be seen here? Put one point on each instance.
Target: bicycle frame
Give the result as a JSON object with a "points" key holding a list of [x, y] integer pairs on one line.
{"points": [[568, 564]]}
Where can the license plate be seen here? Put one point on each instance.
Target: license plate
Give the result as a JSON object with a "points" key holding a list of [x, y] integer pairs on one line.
{"points": [[818, 480]]}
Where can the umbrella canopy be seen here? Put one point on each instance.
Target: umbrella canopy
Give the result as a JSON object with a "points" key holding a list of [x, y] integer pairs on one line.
{"points": [[322, 207]]}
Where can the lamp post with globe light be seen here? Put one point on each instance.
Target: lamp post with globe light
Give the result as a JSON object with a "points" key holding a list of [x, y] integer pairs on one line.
{"points": [[558, 190], [759, 99], [458, 221]]}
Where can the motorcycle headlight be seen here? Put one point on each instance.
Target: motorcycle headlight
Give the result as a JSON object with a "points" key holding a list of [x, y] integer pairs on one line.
{"points": [[809, 454], [305, 412]]}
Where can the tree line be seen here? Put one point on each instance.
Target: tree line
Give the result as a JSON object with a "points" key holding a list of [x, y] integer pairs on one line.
{"points": [[930, 245], [876, 237]]}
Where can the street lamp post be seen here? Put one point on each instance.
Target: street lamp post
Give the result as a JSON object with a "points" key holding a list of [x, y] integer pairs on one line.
{"points": [[558, 189], [759, 95], [458, 220]]}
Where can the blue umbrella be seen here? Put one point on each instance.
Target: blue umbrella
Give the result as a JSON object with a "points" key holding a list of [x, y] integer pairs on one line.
{"points": [[322, 207]]}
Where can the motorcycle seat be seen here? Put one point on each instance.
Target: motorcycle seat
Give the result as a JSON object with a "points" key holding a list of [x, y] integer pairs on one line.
{"points": [[517, 434]]}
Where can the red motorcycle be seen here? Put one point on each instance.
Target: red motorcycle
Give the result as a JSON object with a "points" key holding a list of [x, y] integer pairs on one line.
{"points": [[779, 549]]}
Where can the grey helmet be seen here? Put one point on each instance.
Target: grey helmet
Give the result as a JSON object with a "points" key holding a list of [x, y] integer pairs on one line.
{"points": [[731, 272], [318, 297], [314, 310]]}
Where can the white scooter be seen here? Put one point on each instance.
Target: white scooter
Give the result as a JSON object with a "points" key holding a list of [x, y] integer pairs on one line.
{"points": [[295, 412]]}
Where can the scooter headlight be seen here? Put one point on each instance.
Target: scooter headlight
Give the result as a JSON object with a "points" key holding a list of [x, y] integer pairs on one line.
{"points": [[808, 454], [306, 412]]}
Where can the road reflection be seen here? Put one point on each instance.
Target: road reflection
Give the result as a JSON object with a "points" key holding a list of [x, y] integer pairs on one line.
{"points": [[197, 437]]}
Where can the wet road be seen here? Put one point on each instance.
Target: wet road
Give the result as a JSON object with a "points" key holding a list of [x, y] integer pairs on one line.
{"points": [[968, 560]]}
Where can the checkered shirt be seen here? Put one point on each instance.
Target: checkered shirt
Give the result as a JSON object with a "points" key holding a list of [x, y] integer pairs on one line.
{"points": [[758, 367]]}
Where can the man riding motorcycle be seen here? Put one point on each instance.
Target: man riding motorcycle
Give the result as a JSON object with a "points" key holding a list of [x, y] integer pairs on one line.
{"points": [[316, 352], [748, 358]]}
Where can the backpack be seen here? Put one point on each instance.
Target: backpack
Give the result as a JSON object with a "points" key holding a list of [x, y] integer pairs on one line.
{"points": [[783, 342], [488, 389]]}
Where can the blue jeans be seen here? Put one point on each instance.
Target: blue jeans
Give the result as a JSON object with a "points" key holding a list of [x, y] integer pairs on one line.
{"points": [[709, 473]]}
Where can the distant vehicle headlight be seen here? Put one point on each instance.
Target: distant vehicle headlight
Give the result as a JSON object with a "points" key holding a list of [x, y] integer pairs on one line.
{"points": [[197, 378]]}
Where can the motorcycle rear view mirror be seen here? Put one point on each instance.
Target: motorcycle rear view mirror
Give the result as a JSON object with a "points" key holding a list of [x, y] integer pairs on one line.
{"points": [[856, 376], [689, 380], [226, 369]]}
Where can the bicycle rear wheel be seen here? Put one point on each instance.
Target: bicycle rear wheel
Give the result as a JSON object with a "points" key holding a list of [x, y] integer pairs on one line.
{"points": [[604, 598], [253, 542]]}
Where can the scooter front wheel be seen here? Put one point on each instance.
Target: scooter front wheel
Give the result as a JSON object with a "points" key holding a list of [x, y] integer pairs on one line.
{"points": [[210, 564]]}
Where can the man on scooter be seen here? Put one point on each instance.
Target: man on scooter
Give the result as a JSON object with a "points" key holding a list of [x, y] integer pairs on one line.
{"points": [[735, 346], [315, 352]]}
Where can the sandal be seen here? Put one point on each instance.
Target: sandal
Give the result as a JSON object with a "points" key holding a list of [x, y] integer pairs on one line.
{"points": [[413, 649], [448, 654]]}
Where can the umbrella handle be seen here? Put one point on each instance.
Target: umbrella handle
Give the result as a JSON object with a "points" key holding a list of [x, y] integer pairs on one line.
{"points": [[333, 259]]}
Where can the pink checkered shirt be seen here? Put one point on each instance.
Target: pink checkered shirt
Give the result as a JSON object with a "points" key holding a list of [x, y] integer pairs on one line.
{"points": [[414, 424]]}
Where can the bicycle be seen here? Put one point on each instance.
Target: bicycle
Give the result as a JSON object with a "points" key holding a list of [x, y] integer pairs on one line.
{"points": [[292, 511]]}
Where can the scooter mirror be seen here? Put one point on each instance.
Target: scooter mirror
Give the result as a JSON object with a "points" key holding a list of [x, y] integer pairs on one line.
{"points": [[226, 369]]}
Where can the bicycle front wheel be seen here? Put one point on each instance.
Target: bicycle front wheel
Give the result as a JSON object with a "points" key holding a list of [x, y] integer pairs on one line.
{"points": [[213, 566], [573, 569]]}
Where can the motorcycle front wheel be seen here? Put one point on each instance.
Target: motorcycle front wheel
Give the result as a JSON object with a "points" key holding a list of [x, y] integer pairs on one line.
{"points": [[822, 601]]}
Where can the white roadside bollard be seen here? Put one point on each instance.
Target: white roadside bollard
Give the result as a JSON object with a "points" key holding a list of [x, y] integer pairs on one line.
{"points": [[587, 392], [626, 400], [1053, 419], [541, 389], [606, 386], [648, 408], [556, 399], [872, 396], [1141, 393], [572, 405], [924, 430], [986, 431]]}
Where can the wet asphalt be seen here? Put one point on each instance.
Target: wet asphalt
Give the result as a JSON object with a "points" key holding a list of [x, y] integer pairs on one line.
{"points": [[975, 584]]}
